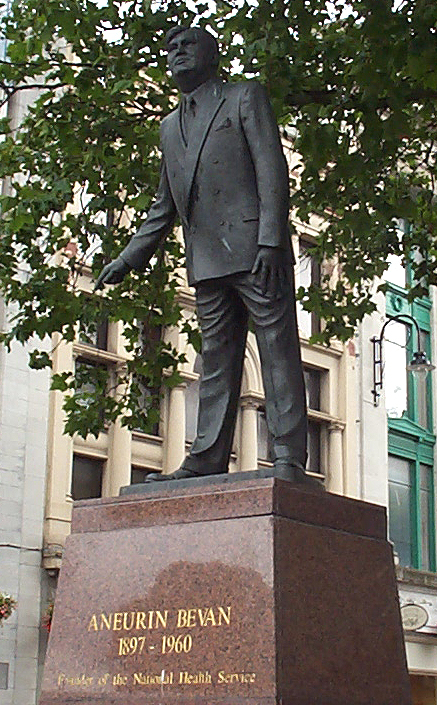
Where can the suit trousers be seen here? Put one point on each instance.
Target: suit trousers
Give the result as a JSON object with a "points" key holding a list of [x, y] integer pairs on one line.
{"points": [[224, 306]]}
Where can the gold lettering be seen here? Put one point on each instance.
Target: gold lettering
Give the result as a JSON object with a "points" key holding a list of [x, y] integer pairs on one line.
{"points": [[93, 624], [223, 677], [118, 679], [199, 678], [132, 619], [152, 679], [191, 618], [141, 616], [117, 623], [182, 619], [204, 617], [161, 618], [158, 619], [225, 615], [104, 621], [207, 617], [129, 621], [75, 680]]}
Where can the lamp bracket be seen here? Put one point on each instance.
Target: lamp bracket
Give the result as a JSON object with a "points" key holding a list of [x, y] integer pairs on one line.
{"points": [[377, 352]]}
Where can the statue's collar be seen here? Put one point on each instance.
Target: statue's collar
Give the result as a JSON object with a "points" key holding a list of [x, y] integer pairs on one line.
{"points": [[211, 86]]}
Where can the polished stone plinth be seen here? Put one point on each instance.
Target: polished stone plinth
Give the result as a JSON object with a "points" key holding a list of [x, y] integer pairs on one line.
{"points": [[224, 593]]}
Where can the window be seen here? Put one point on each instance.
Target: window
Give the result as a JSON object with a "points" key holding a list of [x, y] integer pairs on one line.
{"points": [[265, 445], [91, 382], [307, 272], [86, 480], [314, 454], [406, 396], [422, 389], [149, 401], [5, 10], [96, 336], [400, 508], [395, 382], [396, 272], [192, 401], [410, 426], [312, 378], [138, 475], [411, 509], [149, 395], [426, 512]]}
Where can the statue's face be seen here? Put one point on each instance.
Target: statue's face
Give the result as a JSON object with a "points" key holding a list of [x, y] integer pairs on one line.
{"points": [[188, 56]]}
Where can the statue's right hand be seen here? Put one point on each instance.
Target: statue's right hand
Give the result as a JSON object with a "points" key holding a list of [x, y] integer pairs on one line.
{"points": [[113, 273]]}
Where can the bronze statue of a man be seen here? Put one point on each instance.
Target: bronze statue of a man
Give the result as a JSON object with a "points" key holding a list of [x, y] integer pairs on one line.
{"points": [[225, 175]]}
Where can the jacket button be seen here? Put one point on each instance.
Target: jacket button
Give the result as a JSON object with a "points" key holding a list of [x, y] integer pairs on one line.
{"points": [[222, 222]]}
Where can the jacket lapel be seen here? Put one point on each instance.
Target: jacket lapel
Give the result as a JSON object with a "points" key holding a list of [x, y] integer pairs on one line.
{"points": [[174, 151], [174, 142], [208, 109]]}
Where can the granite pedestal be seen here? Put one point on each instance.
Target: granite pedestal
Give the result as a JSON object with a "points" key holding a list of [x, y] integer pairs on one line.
{"points": [[250, 591]]}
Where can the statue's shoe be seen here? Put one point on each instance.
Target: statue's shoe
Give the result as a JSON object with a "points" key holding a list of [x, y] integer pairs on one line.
{"points": [[297, 475], [181, 474]]}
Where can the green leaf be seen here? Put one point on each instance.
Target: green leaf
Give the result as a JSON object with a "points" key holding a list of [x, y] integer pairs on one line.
{"points": [[356, 91], [39, 359]]}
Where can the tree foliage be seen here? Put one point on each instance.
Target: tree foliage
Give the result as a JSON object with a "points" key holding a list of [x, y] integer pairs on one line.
{"points": [[83, 167], [358, 83], [354, 84]]}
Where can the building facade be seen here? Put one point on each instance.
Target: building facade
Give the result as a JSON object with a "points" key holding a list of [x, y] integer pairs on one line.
{"points": [[24, 408], [396, 461], [382, 454]]}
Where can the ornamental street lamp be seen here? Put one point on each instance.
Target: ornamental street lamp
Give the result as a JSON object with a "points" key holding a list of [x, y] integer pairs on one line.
{"points": [[419, 363]]}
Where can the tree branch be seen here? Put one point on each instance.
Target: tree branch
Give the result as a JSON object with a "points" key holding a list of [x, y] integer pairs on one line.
{"points": [[336, 97]]}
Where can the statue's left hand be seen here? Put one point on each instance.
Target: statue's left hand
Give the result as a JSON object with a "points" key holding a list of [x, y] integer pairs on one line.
{"points": [[270, 270], [113, 273]]}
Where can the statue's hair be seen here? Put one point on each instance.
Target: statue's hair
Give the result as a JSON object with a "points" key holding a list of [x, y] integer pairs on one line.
{"points": [[208, 39]]}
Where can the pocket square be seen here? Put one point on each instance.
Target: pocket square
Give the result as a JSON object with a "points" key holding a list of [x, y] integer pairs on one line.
{"points": [[224, 125]]}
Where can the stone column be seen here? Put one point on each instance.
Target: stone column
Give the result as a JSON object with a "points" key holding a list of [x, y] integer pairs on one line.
{"points": [[335, 458], [249, 435], [118, 467], [59, 502], [175, 436], [117, 472]]}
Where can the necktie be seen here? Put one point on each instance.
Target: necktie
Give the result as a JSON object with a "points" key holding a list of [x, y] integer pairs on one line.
{"points": [[189, 115]]}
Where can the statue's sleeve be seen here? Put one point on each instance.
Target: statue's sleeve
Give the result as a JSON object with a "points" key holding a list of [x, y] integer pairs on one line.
{"points": [[158, 224], [262, 135]]}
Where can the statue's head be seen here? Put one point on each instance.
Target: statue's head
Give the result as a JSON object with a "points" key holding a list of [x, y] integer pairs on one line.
{"points": [[193, 56]]}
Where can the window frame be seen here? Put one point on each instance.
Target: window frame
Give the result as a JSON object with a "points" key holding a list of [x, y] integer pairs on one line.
{"points": [[407, 439], [403, 443], [86, 458], [304, 244]]}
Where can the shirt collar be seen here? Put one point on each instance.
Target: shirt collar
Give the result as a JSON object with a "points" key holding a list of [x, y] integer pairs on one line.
{"points": [[202, 90]]}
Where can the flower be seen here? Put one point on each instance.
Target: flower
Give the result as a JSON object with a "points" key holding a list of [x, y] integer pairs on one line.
{"points": [[48, 616], [7, 606]]}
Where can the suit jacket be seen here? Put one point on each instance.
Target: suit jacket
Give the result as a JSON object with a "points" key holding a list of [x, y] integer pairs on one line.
{"points": [[229, 185]]}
